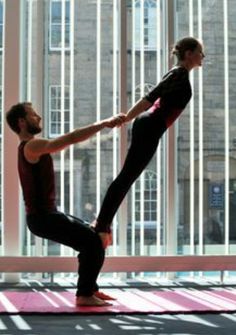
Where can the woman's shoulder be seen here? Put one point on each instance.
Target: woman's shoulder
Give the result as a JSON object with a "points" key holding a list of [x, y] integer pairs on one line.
{"points": [[179, 70], [176, 72]]}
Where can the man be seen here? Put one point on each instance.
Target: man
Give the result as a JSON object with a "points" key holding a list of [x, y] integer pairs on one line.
{"points": [[36, 174]]}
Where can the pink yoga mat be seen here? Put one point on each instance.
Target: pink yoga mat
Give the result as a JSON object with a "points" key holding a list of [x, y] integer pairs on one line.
{"points": [[128, 301]]}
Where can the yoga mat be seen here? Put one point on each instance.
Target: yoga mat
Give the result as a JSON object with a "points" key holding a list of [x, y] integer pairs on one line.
{"points": [[129, 301]]}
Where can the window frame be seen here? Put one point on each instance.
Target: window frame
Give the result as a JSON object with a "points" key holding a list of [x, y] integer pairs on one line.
{"points": [[51, 24]]}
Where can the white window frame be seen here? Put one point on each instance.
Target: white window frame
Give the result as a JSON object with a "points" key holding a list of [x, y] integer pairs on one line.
{"points": [[149, 181], [59, 110], [1, 23], [148, 6], [51, 24]]}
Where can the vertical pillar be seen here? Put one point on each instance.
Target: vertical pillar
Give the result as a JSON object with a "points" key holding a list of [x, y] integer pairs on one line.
{"points": [[39, 82], [171, 222], [11, 95], [123, 215]]}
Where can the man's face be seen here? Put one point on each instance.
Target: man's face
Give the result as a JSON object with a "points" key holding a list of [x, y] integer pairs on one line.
{"points": [[32, 121]]}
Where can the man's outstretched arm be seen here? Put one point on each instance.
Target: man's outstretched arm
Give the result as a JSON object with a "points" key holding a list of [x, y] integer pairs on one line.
{"points": [[40, 146]]}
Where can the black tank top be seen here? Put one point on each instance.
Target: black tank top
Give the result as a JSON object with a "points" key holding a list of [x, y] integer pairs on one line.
{"points": [[38, 183]]}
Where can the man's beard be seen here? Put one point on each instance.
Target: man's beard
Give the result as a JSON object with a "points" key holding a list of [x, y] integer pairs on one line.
{"points": [[33, 130]]}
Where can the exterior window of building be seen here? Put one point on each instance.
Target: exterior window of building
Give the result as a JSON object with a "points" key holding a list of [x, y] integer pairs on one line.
{"points": [[56, 23], [149, 24], [149, 197], [1, 25], [56, 110]]}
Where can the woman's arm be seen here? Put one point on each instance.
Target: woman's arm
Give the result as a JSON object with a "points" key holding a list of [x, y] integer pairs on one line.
{"points": [[172, 83], [147, 101], [137, 109]]}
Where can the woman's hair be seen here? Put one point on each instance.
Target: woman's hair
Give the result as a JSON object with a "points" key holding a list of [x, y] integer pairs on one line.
{"points": [[183, 45], [15, 113]]}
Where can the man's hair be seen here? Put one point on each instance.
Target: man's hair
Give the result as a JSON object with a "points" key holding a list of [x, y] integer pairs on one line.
{"points": [[15, 113]]}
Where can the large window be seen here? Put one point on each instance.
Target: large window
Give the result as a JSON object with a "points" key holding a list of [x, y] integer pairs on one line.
{"points": [[73, 70], [205, 133]]}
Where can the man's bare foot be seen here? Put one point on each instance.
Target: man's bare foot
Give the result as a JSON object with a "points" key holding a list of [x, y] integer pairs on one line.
{"points": [[90, 301], [103, 296]]}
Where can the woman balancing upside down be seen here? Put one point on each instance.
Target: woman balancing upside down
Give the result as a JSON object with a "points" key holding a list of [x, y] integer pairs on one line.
{"points": [[153, 115]]}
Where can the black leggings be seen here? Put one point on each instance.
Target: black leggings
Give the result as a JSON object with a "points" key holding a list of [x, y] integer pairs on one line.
{"points": [[74, 233], [146, 132]]}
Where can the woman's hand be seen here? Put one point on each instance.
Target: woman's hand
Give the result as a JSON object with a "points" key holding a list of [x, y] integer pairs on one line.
{"points": [[115, 121]]}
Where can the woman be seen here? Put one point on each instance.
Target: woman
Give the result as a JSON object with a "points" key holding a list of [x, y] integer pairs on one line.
{"points": [[158, 109]]}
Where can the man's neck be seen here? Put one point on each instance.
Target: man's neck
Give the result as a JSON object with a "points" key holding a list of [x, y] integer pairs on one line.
{"points": [[25, 137]]}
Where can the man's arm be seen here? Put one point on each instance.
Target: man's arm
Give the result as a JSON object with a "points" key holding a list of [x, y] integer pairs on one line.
{"points": [[37, 147]]}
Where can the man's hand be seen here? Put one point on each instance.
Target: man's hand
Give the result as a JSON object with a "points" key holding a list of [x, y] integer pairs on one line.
{"points": [[115, 121], [106, 239]]}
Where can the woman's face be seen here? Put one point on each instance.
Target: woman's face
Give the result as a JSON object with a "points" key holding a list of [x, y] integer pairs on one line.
{"points": [[196, 57]]}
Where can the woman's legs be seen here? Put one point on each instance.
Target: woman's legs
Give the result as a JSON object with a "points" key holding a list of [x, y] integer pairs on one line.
{"points": [[147, 130], [72, 232]]}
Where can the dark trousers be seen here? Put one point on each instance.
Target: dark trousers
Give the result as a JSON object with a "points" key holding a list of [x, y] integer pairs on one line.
{"points": [[74, 233], [146, 132]]}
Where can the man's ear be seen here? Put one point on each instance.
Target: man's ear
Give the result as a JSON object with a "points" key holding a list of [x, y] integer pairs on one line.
{"points": [[21, 122]]}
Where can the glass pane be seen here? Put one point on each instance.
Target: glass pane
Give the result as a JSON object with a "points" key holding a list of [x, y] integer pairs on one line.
{"points": [[76, 82], [59, 18], [1, 115], [204, 225]]}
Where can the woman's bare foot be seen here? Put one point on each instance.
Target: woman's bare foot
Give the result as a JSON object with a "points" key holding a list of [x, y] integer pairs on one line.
{"points": [[90, 301]]}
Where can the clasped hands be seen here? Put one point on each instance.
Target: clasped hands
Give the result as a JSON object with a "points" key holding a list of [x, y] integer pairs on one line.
{"points": [[116, 121]]}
